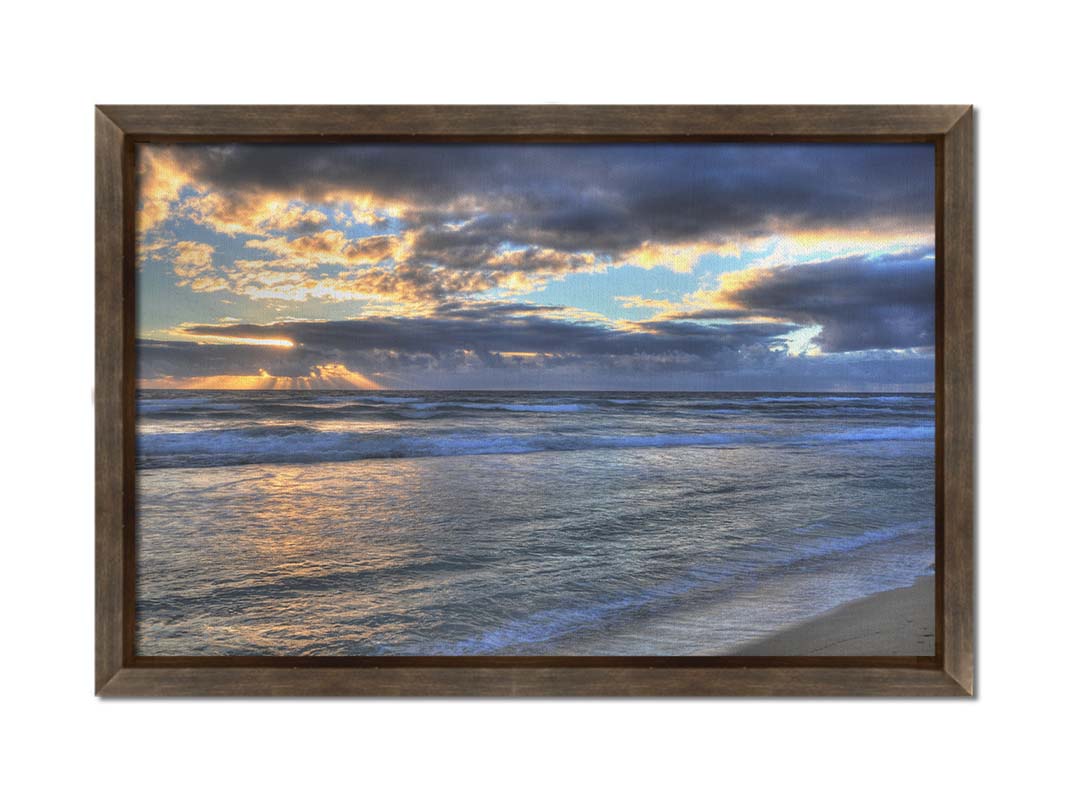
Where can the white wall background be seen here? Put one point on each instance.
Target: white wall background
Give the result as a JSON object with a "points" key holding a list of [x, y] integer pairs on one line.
{"points": [[58, 62]]}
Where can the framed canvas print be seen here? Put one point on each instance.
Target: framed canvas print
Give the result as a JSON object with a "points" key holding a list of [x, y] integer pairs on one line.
{"points": [[534, 400]]}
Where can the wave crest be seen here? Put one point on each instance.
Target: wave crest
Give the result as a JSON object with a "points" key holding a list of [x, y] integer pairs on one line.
{"points": [[295, 444]]}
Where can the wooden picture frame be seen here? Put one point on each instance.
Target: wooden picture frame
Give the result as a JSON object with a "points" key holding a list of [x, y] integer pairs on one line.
{"points": [[121, 672]]}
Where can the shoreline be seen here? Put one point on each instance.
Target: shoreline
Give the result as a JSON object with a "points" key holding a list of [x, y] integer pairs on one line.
{"points": [[897, 622]]}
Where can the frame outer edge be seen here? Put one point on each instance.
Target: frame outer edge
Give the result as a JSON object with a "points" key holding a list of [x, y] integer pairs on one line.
{"points": [[538, 682], [117, 127], [959, 401], [149, 122], [108, 400]]}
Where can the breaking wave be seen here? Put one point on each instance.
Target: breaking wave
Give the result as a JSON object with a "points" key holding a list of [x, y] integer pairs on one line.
{"points": [[294, 444]]}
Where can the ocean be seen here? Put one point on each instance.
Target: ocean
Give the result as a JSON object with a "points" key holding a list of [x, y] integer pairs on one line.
{"points": [[519, 523]]}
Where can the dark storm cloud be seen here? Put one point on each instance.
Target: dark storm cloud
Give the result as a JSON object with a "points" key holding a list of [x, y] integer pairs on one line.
{"points": [[376, 343], [157, 359], [862, 303], [471, 352], [476, 246], [604, 199], [438, 335]]}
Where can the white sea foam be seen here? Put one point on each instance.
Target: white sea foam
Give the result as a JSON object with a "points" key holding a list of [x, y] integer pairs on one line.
{"points": [[299, 444], [549, 624]]}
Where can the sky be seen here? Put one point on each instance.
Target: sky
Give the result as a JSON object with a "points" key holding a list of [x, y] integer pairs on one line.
{"points": [[675, 267]]}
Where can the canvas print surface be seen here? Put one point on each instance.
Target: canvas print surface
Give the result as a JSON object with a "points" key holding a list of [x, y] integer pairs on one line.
{"points": [[504, 399]]}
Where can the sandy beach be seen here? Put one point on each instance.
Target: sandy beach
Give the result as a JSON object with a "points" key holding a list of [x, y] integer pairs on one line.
{"points": [[899, 622]]}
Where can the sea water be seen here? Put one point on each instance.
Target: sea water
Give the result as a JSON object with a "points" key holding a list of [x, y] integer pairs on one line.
{"points": [[534, 523]]}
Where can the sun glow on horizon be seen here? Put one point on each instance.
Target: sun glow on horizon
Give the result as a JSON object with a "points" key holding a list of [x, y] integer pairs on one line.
{"points": [[213, 338], [324, 376]]}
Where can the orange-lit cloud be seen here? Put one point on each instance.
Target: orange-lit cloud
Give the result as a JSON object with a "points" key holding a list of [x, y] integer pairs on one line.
{"points": [[331, 247], [677, 257], [637, 301], [155, 250], [249, 213], [160, 178], [192, 259]]}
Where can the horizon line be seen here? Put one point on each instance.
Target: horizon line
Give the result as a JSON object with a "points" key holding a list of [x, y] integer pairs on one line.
{"points": [[557, 391]]}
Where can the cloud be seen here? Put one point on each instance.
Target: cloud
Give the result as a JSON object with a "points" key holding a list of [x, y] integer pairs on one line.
{"points": [[431, 241], [192, 259], [490, 331], [480, 333], [637, 301], [861, 303], [380, 274], [674, 192], [161, 177], [514, 345], [330, 247], [502, 349], [543, 210], [251, 214]]}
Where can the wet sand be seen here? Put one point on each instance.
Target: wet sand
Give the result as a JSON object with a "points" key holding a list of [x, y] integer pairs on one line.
{"points": [[899, 622]]}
